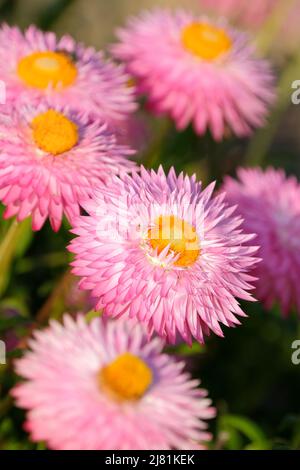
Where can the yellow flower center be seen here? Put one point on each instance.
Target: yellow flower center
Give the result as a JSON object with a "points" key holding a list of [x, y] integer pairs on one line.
{"points": [[131, 82], [206, 41], [180, 235], [54, 133], [126, 378], [42, 69]]}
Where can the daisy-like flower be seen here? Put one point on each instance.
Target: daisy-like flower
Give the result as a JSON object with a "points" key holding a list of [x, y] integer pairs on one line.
{"points": [[51, 158], [269, 203], [159, 249], [197, 72], [104, 386], [37, 64]]}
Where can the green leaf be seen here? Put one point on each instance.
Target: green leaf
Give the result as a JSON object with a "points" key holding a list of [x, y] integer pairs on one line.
{"points": [[13, 243], [186, 350], [233, 424]]}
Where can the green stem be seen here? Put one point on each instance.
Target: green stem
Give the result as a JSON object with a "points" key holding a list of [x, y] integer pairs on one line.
{"points": [[5, 405], [55, 304], [272, 26], [51, 14], [7, 250], [152, 157], [261, 143]]}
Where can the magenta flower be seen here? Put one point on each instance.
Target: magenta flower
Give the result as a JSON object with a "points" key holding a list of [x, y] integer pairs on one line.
{"points": [[159, 249], [35, 65], [104, 386], [269, 203], [197, 72], [50, 160]]}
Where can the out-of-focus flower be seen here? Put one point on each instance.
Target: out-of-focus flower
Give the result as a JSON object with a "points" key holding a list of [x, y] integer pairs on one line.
{"points": [[159, 249], [197, 71], [247, 14], [255, 13], [104, 386], [36, 64], [269, 203], [289, 35], [50, 160]]}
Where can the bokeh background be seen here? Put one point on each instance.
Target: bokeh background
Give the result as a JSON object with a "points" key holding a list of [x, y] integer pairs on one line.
{"points": [[249, 374]]}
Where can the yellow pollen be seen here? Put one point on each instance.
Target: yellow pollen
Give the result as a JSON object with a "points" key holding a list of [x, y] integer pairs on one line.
{"points": [[131, 82], [180, 235], [206, 41], [54, 133], [42, 69], [126, 378]]}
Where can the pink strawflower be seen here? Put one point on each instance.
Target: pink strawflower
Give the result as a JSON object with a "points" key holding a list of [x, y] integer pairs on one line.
{"points": [[246, 13], [159, 249], [197, 72], [269, 203], [50, 160], [104, 386], [37, 64], [254, 14]]}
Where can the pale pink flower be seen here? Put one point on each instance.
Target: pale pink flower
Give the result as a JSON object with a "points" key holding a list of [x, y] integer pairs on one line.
{"points": [[246, 13], [197, 71], [51, 158], [104, 386], [269, 203], [160, 249], [36, 65]]}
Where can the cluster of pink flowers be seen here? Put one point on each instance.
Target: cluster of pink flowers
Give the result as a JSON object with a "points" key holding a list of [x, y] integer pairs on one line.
{"points": [[155, 248]]}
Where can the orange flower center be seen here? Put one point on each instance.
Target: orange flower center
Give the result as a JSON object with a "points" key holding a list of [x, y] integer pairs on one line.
{"points": [[127, 378], [206, 41], [179, 235], [42, 69], [54, 133]]}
